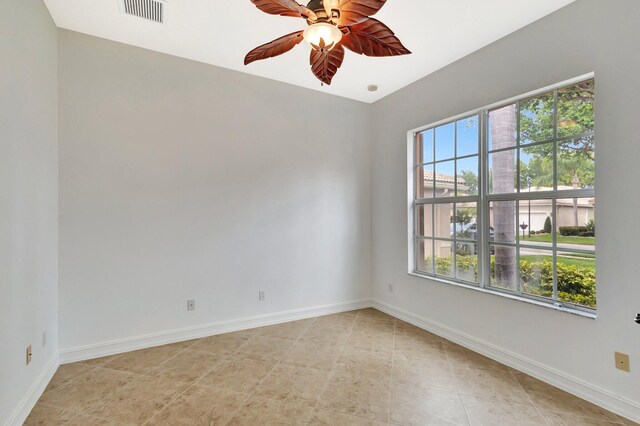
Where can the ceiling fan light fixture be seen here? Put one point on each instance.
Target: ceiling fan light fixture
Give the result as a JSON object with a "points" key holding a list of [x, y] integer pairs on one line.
{"points": [[333, 26], [322, 35]]}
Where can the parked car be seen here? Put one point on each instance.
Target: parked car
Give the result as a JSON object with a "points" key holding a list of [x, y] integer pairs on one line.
{"points": [[470, 232]]}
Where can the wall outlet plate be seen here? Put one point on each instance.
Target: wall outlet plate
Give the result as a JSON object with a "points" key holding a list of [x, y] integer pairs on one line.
{"points": [[191, 305], [261, 296], [44, 339], [622, 362], [390, 288], [29, 354]]}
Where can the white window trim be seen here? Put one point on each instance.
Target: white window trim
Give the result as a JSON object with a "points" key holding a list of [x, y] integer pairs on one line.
{"points": [[483, 195]]}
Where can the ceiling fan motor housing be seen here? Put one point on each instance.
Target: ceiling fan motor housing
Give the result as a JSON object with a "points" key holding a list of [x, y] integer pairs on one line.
{"points": [[318, 7]]}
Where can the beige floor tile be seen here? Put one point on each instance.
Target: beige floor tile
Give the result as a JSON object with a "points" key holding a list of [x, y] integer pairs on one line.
{"points": [[84, 420], [184, 344], [370, 341], [490, 384], [567, 419], [266, 347], [187, 366], [490, 413], [429, 374], [99, 362], [47, 415], [461, 358], [239, 373], [289, 330], [66, 372], [371, 366], [336, 321], [325, 339], [412, 405], [145, 360], [328, 418], [266, 412], [549, 398], [138, 400], [306, 354], [200, 405], [222, 344], [331, 331], [375, 314], [407, 328], [414, 346], [293, 384], [374, 324], [357, 398], [355, 368], [86, 390]]}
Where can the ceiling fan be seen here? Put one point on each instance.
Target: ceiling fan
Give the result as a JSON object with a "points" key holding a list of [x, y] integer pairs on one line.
{"points": [[333, 25]]}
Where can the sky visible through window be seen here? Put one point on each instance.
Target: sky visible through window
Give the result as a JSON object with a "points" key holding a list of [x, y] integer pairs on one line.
{"points": [[461, 136]]}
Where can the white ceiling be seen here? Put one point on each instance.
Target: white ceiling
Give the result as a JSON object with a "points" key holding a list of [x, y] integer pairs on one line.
{"points": [[221, 32]]}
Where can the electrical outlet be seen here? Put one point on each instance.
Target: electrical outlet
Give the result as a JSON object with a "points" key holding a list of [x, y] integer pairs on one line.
{"points": [[261, 295], [622, 362], [191, 305], [390, 288], [29, 354], [44, 339]]}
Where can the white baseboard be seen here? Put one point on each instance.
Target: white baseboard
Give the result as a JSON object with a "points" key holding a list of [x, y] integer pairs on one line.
{"points": [[577, 387], [34, 393], [162, 338]]}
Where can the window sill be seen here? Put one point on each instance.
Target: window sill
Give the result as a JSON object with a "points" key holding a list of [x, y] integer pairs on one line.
{"points": [[578, 312]]}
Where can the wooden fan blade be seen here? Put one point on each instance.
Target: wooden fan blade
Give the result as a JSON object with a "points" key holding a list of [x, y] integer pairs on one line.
{"points": [[325, 64], [373, 38], [284, 8], [274, 48], [355, 11]]}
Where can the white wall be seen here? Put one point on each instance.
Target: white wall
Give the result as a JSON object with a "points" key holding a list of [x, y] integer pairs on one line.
{"points": [[28, 199], [180, 180], [589, 35]]}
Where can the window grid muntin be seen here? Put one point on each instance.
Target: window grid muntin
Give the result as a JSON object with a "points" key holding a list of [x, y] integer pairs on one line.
{"points": [[484, 197]]}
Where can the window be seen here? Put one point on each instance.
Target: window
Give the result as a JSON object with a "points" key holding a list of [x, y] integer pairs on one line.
{"points": [[504, 197]]}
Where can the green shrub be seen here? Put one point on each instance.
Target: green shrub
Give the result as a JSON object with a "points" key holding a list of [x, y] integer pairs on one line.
{"points": [[577, 231], [576, 284], [591, 226], [547, 226], [572, 231]]}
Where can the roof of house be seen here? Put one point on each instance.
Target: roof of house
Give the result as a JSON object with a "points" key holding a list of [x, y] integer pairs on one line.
{"points": [[439, 177]]}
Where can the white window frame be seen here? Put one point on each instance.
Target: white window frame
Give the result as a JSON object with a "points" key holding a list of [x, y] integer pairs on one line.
{"points": [[484, 199]]}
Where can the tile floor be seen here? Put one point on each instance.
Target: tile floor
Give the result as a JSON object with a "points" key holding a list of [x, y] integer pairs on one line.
{"points": [[355, 368]]}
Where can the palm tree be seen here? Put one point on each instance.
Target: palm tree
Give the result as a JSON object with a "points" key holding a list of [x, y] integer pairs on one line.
{"points": [[503, 133]]}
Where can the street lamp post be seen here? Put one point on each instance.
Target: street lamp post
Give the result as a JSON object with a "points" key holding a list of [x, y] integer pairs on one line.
{"points": [[529, 202], [523, 227], [575, 181]]}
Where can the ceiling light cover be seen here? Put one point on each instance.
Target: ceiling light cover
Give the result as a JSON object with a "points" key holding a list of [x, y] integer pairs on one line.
{"points": [[321, 35]]}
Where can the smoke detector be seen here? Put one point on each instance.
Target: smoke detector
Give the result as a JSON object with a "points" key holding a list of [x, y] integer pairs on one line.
{"points": [[152, 10]]}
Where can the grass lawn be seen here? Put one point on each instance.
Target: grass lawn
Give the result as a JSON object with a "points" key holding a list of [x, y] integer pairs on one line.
{"points": [[587, 262], [546, 238]]}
